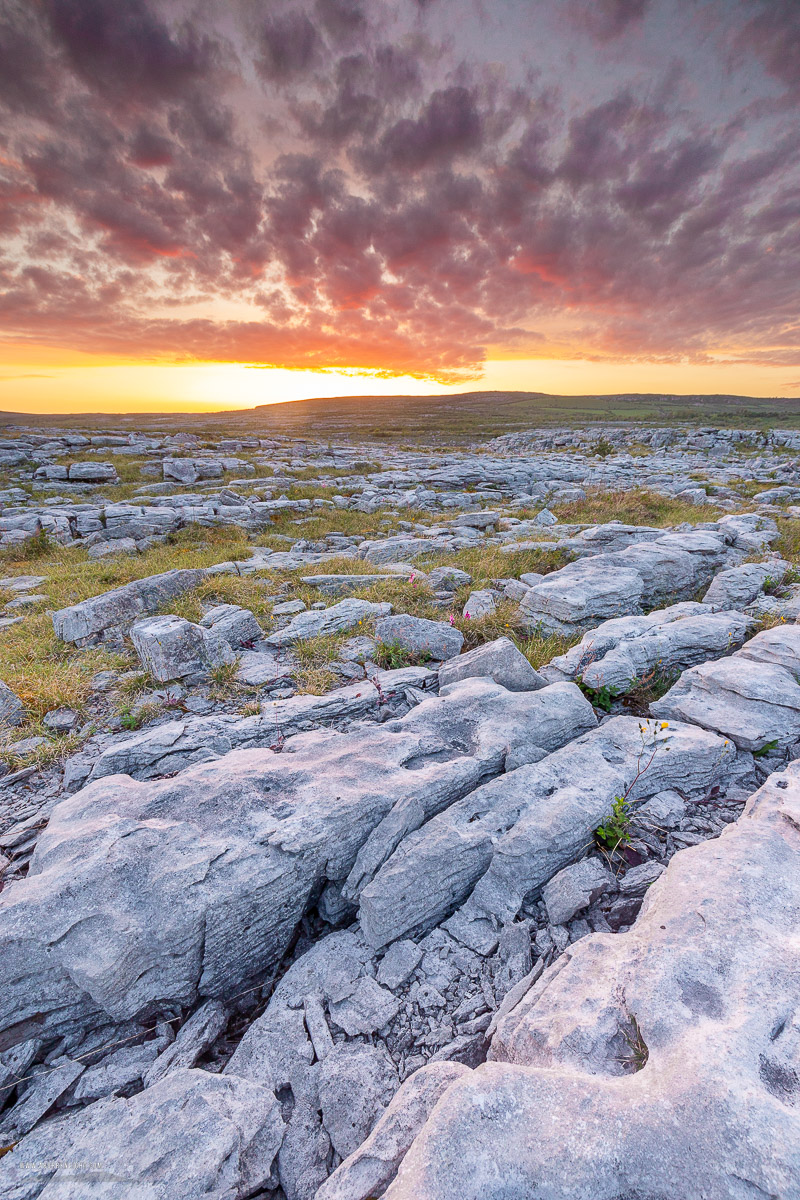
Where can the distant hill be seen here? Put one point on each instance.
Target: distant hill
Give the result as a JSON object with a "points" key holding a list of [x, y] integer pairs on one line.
{"points": [[443, 420], [485, 414]]}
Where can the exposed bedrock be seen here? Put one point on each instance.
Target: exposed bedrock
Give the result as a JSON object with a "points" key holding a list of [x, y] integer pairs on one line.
{"points": [[142, 896], [659, 1063], [502, 842], [626, 651], [753, 697], [633, 580]]}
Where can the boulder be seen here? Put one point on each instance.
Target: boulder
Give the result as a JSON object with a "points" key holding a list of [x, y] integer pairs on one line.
{"points": [[614, 584], [624, 652], [92, 472], [105, 549], [448, 579], [741, 585], [173, 648], [480, 604], [575, 888], [500, 660], [118, 609], [437, 639], [235, 624]]}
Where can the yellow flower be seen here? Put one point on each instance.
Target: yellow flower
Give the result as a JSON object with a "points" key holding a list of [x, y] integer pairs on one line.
{"points": [[665, 724]]}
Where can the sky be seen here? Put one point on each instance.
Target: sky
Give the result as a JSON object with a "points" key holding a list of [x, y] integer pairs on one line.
{"points": [[216, 204]]}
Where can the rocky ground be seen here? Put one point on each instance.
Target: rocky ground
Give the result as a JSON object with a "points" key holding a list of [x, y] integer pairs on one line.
{"points": [[398, 822]]}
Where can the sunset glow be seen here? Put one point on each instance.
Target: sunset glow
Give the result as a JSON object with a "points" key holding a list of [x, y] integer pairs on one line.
{"points": [[237, 204]]}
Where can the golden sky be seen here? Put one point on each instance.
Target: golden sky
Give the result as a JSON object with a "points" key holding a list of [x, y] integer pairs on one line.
{"points": [[53, 383]]}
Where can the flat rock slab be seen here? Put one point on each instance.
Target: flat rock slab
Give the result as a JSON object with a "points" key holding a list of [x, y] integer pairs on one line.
{"points": [[753, 697], [194, 1135], [347, 614], [145, 895], [175, 745], [417, 635], [614, 584], [708, 976], [499, 660], [505, 840]]}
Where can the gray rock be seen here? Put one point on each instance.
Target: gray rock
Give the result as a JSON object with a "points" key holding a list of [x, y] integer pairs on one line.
{"points": [[619, 654], [117, 1070], [47, 1085], [194, 1135], [368, 1171], [288, 609], [106, 549], [347, 614], [118, 609], [173, 648], [178, 744], [356, 1083], [448, 579], [753, 697], [235, 624], [499, 660], [12, 710], [420, 636], [398, 964], [665, 810], [740, 585], [575, 888], [644, 575], [92, 472], [193, 1039], [366, 1010], [146, 895], [505, 840], [604, 1037], [61, 720], [480, 604], [636, 881]]}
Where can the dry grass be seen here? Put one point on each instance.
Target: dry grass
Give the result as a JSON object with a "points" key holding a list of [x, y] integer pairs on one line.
{"points": [[638, 507], [789, 541]]}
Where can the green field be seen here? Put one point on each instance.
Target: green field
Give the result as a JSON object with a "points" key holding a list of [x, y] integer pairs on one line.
{"points": [[458, 419]]}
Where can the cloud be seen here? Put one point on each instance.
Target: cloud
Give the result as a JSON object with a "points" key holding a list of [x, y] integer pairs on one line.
{"points": [[331, 183], [608, 19]]}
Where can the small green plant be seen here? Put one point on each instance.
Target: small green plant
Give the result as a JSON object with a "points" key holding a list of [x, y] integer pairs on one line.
{"points": [[129, 719], [615, 830], [602, 697], [765, 749], [602, 448], [391, 655]]}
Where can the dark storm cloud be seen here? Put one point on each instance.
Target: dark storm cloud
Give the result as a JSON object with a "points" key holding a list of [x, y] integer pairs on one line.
{"points": [[375, 189]]}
